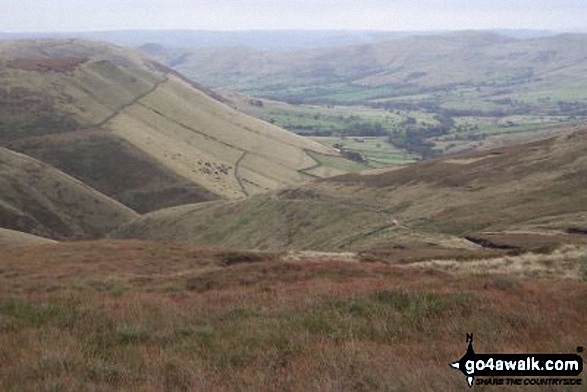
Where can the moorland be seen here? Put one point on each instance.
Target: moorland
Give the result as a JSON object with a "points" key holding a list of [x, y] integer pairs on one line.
{"points": [[248, 219]]}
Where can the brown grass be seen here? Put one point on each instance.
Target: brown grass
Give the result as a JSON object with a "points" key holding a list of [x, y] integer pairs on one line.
{"points": [[38, 199], [55, 64], [163, 142], [123, 316], [144, 185]]}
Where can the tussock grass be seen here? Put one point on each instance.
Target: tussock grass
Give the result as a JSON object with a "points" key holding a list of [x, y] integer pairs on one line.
{"points": [[583, 269], [567, 262], [308, 325]]}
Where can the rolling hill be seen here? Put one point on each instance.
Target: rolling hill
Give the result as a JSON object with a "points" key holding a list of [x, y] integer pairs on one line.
{"points": [[36, 198], [253, 278], [278, 40], [428, 94], [138, 131], [405, 67], [451, 205]]}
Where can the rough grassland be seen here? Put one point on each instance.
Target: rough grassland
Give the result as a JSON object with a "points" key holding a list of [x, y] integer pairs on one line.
{"points": [[141, 316], [144, 184], [420, 204], [38, 199], [118, 104], [9, 238]]}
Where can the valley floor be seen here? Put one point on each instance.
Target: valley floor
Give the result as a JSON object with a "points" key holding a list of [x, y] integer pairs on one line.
{"points": [[130, 315]]}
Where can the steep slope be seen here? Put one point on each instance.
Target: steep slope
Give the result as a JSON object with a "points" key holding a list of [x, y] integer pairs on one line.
{"points": [[137, 131], [437, 203], [38, 199]]}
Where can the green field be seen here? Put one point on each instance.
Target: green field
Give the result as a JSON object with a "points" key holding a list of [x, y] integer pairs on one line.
{"points": [[376, 150], [338, 163], [343, 125], [417, 90], [334, 126], [315, 118]]}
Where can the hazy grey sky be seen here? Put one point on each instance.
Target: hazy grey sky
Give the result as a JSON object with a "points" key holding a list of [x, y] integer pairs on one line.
{"points": [[88, 15]]}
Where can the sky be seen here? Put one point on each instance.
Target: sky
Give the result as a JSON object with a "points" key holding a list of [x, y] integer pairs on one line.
{"points": [[225, 15]]}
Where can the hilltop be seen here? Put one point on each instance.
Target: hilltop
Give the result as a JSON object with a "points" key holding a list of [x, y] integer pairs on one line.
{"points": [[138, 131], [433, 208], [275, 40]]}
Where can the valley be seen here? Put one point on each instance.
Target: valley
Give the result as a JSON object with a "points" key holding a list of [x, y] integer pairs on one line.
{"points": [[339, 218], [169, 142], [432, 94]]}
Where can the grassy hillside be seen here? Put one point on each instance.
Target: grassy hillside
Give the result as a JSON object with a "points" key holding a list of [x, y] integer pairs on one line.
{"points": [[11, 238], [127, 175], [113, 316], [431, 204], [138, 131], [36, 198]]}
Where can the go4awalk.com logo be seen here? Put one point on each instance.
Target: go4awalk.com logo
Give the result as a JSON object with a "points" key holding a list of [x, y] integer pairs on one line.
{"points": [[519, 369]]}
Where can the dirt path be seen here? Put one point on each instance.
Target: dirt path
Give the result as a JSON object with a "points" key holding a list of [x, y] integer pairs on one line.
{"points": [[133, 102], [238, 178], [136, 101], [316, 166]]}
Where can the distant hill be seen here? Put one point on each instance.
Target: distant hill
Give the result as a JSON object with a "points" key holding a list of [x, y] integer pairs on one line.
{"points": [[136, 130], [38, 199], [434, 93], [274, 40], [428, 206], [501, 65]]}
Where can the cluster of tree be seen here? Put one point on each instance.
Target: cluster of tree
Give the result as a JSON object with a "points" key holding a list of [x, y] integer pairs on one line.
{"points": [[414, 137], [426, 105], [360, 128], [311, 132], [507, 107], [572, 109], [473, 137], [354, 156], [256, 102], [364, 129]]}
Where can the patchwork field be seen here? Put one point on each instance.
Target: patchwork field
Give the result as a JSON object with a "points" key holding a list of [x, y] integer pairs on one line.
{"points": [[377, 151], [431, 94], [410, 131]]}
